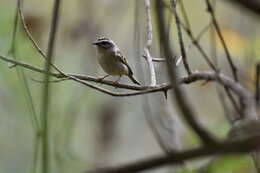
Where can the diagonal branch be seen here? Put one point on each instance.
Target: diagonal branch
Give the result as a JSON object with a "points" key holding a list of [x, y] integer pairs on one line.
{"points": [[30, 37], [181, 43], [244, 145], [217, 28]]}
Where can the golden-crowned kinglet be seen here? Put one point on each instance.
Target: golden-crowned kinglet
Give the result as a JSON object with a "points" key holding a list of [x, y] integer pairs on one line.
{"points": [[111, 59]]}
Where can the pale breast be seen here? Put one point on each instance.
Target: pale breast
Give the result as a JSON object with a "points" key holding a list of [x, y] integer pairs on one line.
{"points": [[112, 65]]}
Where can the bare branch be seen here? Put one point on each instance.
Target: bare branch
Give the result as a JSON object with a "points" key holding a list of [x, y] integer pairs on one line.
{"points": [[149, 24], [149, 43], [244, 145], [149, 60]]}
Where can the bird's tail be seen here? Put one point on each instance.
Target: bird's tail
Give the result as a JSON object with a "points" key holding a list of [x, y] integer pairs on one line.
{"points": [[133, 79]]}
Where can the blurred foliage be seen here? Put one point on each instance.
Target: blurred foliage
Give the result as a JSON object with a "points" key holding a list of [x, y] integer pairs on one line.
{"points": [[80, 117], [230, 164]]}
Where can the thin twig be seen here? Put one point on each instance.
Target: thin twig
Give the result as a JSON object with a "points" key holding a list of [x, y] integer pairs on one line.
{"points": [[12, 49], [188, 48], [199, 36], [36, 147], [20, 71], [194, 41], [218, 30], [213, 41], [181, 43], [30, 37]]}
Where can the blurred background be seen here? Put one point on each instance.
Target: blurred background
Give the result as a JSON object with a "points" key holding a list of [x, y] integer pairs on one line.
{"points": [[89, 129]]}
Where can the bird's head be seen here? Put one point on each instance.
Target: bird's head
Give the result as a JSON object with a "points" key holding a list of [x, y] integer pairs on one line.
{"points": [[105, 43]]}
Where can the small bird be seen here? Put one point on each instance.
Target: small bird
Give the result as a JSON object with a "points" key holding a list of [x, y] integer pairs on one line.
{"points": [[112, 61]]}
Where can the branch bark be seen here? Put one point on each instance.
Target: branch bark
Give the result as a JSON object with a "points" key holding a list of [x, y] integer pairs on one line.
{"points": [[229, 147]]}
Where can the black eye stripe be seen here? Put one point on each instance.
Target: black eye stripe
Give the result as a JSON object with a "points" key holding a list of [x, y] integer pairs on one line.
{"points": [[105, 42]]}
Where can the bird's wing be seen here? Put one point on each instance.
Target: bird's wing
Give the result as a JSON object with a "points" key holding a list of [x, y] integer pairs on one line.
{"points": [[122, 59]]}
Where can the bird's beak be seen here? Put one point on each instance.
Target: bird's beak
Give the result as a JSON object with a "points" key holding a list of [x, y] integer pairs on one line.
{"points": [[95, 43]]}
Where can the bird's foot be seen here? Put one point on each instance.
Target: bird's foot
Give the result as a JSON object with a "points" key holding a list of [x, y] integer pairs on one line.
{"points": [[102, 78]]}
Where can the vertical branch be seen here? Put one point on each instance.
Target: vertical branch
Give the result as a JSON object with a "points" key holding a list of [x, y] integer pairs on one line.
{"points": [[146, 104], [46, 88], [151, 66], [149, 24], [145, 100], [24, 84], [12, 49], [181, 43], [21, 72], [217, 28], [257, 86], [178, 93], [36, 147], [149, 43], [148, 57], [212, 40]]}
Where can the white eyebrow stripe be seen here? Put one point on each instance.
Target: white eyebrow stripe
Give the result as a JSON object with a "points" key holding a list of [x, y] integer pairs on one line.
{"points": [[103, 39]]}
